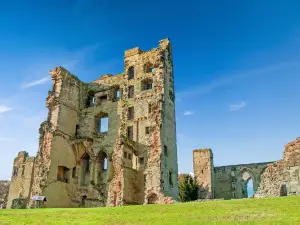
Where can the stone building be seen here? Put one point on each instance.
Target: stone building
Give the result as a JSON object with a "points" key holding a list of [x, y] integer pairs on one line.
{"points": [[110, 142], [270, 179]]}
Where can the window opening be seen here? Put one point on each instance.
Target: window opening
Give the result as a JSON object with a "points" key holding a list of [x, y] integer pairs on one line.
{"points": [[63, 174], [147, 84], [130, 73], [130, 132], [147, 130], [130, 91], [130, 113]]}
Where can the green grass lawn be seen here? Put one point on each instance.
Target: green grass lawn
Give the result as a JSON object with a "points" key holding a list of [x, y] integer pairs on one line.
{"points": [[283, 210]]}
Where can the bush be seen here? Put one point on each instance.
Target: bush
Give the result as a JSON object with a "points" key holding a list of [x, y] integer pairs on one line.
{"points": [[188, 189]]}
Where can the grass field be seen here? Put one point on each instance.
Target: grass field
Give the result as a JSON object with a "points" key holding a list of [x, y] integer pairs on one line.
{"points": [[284, 210]]}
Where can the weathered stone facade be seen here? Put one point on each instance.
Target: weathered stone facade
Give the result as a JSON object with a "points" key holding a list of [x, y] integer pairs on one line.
{"points": [[269, 179], [21, 179], [110, 142], [283, 177]]}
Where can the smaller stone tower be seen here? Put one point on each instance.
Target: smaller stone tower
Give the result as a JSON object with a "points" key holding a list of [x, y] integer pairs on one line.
{"points": [[204, 172]]}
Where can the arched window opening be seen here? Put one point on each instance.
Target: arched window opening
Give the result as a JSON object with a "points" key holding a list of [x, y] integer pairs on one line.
{"points": [[131, 73], [247, 186], [250, 189], [85, 168], [147, 84]]}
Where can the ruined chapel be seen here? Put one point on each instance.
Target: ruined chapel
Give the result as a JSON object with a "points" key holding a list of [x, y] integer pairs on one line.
{"points": [[109, 142]]}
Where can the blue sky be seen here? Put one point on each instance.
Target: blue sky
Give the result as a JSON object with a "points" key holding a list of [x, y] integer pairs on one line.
{"points": [[236, 67]]}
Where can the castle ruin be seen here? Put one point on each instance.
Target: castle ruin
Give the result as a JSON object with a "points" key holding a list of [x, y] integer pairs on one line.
{"points": [[110, 142], [270, 179]]}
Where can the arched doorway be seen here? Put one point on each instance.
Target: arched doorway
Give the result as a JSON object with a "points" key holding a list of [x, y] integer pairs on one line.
{"points": [[152, 198], [250, 188], [245, 186], [283, 190]]}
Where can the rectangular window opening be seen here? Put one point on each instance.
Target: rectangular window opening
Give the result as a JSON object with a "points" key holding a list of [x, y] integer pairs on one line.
{"points": [[129, 156], [130, 91], [149, 108], [166, 150], [141, 160], [118, 94], [103, 124], [170, 179], [125, 155], [63, 174], [23, 170], [130, 113], [76, 130], [15, 171], [147, 130], [74, 172], [103, 98], [130, 132]]}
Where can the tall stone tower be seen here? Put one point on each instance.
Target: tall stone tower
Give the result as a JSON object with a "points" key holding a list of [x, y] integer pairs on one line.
{"points": [[111, 141], [204, 172]]}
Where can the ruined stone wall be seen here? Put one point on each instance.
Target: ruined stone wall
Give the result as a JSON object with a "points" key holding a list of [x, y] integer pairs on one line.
{"points": [[224, 182], [204, 173], [21, 179], [282, 177], [169, 157], [69, 167], [4, 189], [55, 150], [148, 109], [231, 181]]}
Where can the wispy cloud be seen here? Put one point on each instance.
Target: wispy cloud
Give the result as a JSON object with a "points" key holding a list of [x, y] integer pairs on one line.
{"points": [[4, 109], [187, 113], [36, 82], [230, 78], [235, 107]]}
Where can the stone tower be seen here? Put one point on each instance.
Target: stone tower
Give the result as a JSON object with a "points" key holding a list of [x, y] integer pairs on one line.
{"points": [[111, 141], [204, 172], [21, 181]]}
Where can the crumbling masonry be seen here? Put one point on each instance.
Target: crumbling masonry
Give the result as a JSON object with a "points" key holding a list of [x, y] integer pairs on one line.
{"points": [[270, 179], [110, 142]]}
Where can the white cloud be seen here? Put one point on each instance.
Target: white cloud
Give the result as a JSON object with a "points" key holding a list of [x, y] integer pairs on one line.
{"points": [[4, 109], [36, 82], [187, 113], [234, 107]]}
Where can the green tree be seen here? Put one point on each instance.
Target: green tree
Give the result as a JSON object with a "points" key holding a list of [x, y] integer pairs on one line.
{"points": [[188, 188]]}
